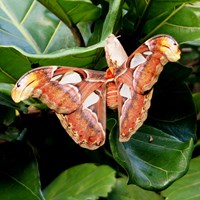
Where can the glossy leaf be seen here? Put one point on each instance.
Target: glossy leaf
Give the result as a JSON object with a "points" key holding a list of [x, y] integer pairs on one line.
{"points": [[12, 60], [81, 57], [112, 16], [85, 181], [134, 18], [196, 97], [188, 186], [19, 177], [172, 108], [16, 58], [73, 10], [158, 16], [152, 158], [123, 191], [5, 88], [72, 14], [80, 10], [171, 18], [19, 28]]}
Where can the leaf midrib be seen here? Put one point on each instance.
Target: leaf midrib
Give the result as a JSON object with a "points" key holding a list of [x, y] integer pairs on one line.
{"points": [[23, 31]]}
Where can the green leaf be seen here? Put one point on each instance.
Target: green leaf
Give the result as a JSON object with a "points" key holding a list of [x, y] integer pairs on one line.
{"points": [[85, 181], [171, 18], [122, 191], [73, 13], [112, 18], [23, 62], [152, 158], [9, 115], [172, 108], [5, 88], [196, 98], [80, 10], [79, 57], [19, 177], [96, 36], [11, 134], [32, 28], [188, 186], [12, 65], [135, 16]]}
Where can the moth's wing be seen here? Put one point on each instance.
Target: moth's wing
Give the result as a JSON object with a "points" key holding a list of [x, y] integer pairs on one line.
{"points": [[135, 84], [132, 107], [76, 95], [149, 59], [63, 89], [87, 124]]}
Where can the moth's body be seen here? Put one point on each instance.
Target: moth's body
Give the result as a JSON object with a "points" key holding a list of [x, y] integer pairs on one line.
{"points": [[79, 96]]}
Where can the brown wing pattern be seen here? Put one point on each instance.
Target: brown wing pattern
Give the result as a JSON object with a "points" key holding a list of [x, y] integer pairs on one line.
{"points": [[87, 124], [77, 97], [136, 84]]}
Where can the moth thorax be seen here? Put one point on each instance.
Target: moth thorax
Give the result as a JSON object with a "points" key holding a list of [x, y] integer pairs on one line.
{"points": [[111, 98]]}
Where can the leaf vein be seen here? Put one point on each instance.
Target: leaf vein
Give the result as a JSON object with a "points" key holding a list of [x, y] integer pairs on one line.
{"points": [[23, 185], [24, 32], [52, 37]]}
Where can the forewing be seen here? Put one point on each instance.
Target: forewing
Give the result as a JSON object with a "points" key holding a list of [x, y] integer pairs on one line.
{"points": [[76, 95], [62, 89]]}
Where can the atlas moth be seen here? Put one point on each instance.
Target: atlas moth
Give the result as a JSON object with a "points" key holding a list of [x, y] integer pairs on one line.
{"points": [[79, 96]]}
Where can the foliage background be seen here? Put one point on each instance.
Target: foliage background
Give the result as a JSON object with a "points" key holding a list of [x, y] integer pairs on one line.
{"points": [[39, 161]]}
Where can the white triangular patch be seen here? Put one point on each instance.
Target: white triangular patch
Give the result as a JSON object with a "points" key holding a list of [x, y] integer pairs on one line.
{"points": [[71, 77], [125, 91], [137, 60], [91, 100]]}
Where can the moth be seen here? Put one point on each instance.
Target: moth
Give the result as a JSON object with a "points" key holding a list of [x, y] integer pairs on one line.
{"points": [[79, 96]]}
